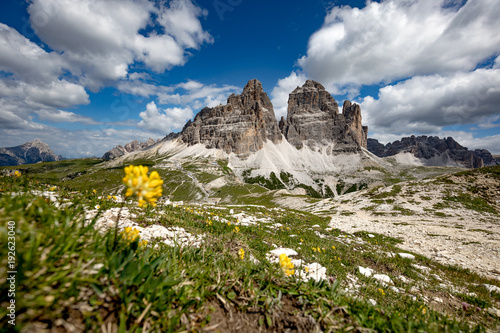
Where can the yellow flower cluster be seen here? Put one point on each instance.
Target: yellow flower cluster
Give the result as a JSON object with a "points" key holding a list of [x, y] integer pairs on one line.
{"points": [[146, 188], [241, 253], [236, 229], [17, 173], [131, 235], [286, 265]]}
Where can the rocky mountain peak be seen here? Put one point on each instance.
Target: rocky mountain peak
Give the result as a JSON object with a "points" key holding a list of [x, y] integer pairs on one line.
{"points": [[128, 148], [30, 152], [313, 119], [434, 150], [241, 126]]}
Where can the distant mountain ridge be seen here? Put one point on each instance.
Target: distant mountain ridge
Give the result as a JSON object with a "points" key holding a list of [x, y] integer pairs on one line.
{"points": [[30, 152], [128, 148], [434, 151]]}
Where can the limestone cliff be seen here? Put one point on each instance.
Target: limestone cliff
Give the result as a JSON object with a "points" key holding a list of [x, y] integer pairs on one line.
{"points": [[241, 126], [314, 120]]}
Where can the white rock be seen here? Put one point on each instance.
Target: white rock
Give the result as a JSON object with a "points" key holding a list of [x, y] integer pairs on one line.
{"points": [[315, 226], [406, 256], [491, 288], [397, 290], [437, 299], [403, 279], [372, 301], [366, 271], [371, 236], [494, 311], [383, 278], [422, 268], [316, 272]]}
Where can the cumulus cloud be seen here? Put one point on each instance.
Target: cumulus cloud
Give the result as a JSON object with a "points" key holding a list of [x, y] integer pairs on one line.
{"points": [[394, 40], [26, 59], [191, 93], [425, 104], [282, 90], [100, 39], [164, 121], [60, 116]]}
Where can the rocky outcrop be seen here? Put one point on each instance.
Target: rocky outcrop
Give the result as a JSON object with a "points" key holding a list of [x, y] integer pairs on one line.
{"points": [[241, 126], [129, 148], [314, 120], [432, 147], [31, 152], [352, 116]]}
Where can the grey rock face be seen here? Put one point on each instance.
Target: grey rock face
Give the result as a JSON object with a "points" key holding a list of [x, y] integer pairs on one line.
{"points": [[432, 146], [352, 116], [128, 148], [313, 119], [31, 152], [241, 126]]}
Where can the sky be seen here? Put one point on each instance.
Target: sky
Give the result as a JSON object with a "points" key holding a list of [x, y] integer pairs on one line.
{"points": [[87, 75]]}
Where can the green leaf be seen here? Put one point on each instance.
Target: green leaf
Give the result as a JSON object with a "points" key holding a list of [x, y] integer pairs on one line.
{"points": [[231, 295]]}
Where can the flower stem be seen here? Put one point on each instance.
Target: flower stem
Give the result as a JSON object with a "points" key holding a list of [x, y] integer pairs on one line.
{"points": [[116, 226]]}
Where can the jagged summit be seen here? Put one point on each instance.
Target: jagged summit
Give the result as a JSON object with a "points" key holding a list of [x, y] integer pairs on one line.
{"points": [[313, 119], [247, 122], [431, 150], [27, 153], [128, 148], [241, 126]]}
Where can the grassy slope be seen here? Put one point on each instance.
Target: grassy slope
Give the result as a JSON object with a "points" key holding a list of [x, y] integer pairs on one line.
{"points": [[173, 289]]}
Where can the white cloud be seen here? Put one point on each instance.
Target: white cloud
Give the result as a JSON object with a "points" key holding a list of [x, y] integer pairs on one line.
{"points": [[425, 104], [394, 40], [164, 121], [180, 20], [282, 90], [193, 94], [25, 59], [60, 116], [100, 39]]}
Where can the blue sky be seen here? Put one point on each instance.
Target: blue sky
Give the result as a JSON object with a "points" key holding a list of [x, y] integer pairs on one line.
{"points": [[86, 75]]}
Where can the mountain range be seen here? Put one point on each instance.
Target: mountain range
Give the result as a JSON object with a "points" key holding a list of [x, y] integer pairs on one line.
{"points": [[247, 122], [30, 152]]}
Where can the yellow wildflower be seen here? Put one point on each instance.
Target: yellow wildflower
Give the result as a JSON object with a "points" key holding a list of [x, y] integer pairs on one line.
{"points": [[241, 253], [94, 191], [52, 188], [229, 223], [307, 269], [301, 240], [146, 188], [381, 291], [143, 243], [236, 229], [333, 247], [114, 197], [286, 265], [17, 173], [130, 235]]}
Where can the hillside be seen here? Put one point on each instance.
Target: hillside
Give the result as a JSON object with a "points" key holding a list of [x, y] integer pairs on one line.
{"points": [[374, 248], [30, 152]]}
